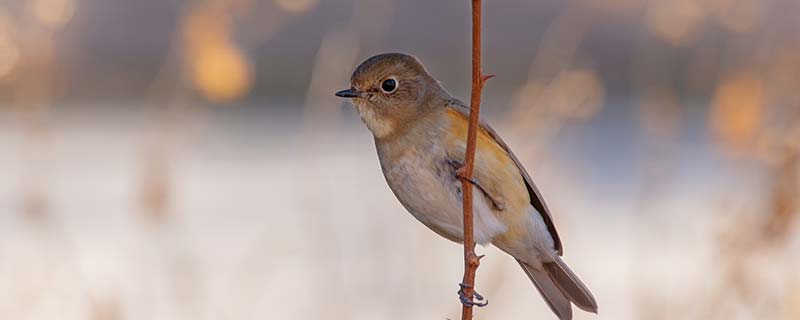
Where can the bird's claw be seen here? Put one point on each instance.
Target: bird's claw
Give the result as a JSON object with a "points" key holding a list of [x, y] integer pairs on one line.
{"points": [[461, 171], [461, 174], [479, 301]]}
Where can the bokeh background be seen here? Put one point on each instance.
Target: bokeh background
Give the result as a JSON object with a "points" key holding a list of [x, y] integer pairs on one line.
{"points": [[165, 159]]}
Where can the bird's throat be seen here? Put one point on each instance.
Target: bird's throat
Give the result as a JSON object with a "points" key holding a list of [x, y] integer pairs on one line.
{"points": [[380, 126]]}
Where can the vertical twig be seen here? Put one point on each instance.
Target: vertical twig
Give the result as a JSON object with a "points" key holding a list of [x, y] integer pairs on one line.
{"points": [[471, 261]]}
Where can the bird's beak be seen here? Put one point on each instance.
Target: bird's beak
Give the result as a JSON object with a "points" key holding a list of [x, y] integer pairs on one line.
{"points": [[349, 93]]}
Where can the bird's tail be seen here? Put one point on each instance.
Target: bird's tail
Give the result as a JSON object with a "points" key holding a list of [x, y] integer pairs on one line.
{"points": [[559, 286]]}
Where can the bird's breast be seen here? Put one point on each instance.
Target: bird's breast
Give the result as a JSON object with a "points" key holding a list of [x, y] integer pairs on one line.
{"points": [[426, 185]]}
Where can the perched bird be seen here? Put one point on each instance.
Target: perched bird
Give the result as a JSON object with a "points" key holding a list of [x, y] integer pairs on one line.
{"points": [[420, 134]]}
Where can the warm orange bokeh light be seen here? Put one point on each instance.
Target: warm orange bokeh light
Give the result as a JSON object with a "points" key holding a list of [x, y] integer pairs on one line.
{"points": [[221, 73], [52, 13], [218, 68], [674, 20], [737, 110]]}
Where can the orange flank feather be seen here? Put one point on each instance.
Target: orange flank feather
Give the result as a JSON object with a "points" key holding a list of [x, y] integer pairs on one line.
{"points": [[496, 172]]}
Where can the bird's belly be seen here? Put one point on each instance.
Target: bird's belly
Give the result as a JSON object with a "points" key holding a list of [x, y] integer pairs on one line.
{"points": [[432, 194]]}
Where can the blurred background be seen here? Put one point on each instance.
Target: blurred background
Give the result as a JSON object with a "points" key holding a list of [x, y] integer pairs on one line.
{"points": [[166, 159]]}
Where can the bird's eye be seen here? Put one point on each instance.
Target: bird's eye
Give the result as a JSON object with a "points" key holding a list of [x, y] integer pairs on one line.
{"points": [[389, 85]]}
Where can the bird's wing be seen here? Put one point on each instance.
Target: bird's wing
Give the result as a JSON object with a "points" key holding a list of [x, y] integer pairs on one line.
{"points": [[536, 199]]}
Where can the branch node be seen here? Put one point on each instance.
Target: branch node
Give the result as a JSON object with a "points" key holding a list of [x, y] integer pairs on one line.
{"points": [[473, 261], [486, 77]]}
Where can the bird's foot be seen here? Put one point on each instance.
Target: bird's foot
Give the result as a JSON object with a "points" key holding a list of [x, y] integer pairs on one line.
{"points": [[479, 301], [461, 174]]}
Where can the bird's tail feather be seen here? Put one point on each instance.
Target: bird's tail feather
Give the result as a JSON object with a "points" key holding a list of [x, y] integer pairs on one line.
{"points": [[559, 286], [571, 285], [552, 293]]}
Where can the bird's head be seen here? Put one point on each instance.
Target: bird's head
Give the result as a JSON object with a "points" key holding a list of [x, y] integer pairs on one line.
{"points": [[391, 90]]}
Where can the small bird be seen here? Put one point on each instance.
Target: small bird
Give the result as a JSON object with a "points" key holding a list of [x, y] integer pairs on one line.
{"points": [[420, 134]]}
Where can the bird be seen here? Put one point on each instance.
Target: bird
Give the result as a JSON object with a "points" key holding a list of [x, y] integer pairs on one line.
{"points": [[420, 134]]}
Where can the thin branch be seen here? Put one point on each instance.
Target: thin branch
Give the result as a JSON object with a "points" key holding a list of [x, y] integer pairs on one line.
{"points": [[471, 260]]}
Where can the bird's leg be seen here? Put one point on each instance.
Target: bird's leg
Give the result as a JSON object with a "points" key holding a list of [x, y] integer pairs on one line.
{"points": [[480, 301], [459, 166]]}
